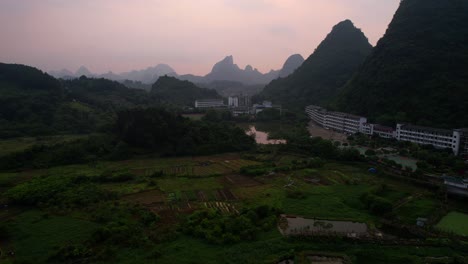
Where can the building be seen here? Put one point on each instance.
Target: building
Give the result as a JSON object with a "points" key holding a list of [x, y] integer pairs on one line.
{"points": [[456, 140], [337, 121], [239, 101], [439, 138], [463, 149], [233, 101], [367, 129], [384, 131], [209, 103], [257, 108]]}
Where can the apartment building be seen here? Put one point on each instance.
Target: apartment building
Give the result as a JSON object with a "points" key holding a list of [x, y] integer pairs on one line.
{"points": [[209, 103], [439, 138]]}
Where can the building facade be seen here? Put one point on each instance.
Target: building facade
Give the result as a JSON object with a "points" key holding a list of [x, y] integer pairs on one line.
{"points": [[341, 122], [456, 140], [439, 138], [384, 131], [239, 101], [209, 103]]}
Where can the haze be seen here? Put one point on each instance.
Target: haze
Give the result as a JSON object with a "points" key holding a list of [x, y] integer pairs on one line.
{"points": [[190, 36]]}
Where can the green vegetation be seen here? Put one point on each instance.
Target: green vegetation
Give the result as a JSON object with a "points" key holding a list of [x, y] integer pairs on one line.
{"points": [[184, 93], [414, 66], [36, 234], [218, 228], [170, 134], [455, 222], [322, 75]]}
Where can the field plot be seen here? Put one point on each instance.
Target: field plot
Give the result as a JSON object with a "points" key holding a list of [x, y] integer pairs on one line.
{"points": [[455, 222], [147, 198], [240, 181], [222, 206]]}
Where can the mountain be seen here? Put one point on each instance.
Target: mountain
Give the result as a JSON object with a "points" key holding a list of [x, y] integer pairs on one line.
{"points": [[63, 73], [319, 79], [148, 75], [226, 70], [33, 103], [29, 99], [418, 71], [83, 71], [183, 93], [291, 64], [230, 88]]}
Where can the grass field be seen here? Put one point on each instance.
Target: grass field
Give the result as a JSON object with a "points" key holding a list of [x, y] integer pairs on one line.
{"points": [[423, 207], [455, 222], [37, 234]]}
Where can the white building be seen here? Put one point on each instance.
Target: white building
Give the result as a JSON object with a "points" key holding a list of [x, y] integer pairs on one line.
{"points": [[239, 101], [337, 121], [209, 103], [233, 101], [439, 138]]}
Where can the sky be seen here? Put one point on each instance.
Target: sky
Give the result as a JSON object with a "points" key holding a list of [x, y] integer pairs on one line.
{"points": [[189, 35]]}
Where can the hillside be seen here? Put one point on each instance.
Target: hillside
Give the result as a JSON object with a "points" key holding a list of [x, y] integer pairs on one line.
{"points": [[321, 76], [418, 70], [292, 63], [183, 93], [28, 100], [33, 103], [105, 94]]}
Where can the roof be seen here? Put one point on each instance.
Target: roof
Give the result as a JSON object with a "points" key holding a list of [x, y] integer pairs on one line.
{"points": [[383, 128], [208, 100], [429, 129]]}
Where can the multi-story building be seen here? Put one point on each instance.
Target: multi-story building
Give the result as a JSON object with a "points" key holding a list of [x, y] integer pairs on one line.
{"points": [[456, 140], [233, 101], [439, 138], [384, 131], [367, 129], [337, 121], [209, 103], [463, 149], [239, 101]]}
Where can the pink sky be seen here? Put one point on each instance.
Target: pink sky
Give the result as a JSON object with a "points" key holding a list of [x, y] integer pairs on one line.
{"points": [[189, 35]]}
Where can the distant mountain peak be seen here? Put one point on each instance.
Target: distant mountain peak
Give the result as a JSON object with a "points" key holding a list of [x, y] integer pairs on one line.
{"points": [[291, 64], [83, 71]]}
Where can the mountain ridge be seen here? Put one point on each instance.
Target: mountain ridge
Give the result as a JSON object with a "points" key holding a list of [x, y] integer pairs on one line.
{"points": [[417, 72], [320, 77]]}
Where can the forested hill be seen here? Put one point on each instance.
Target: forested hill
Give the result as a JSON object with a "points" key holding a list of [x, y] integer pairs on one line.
{"points": [[33, 103], [106, 95], [418, 72], [28, 100], [183, 93], [321, 76]]}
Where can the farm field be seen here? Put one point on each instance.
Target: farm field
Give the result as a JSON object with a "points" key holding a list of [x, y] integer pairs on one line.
{"points": [[455, 222], [332, 192]]}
